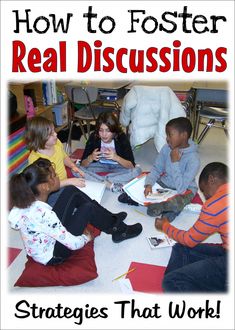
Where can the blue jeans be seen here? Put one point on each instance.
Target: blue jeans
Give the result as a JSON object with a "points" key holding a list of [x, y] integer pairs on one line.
{"points": [[52, 199], [199, 269], [115, 173]]}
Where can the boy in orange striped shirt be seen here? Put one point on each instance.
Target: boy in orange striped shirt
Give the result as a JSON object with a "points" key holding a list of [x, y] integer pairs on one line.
{"points": [[194, 266]]}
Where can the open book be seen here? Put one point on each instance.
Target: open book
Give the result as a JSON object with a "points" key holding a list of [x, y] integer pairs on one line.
{"points": [[135, 189], [160, 241], [94, 190]]}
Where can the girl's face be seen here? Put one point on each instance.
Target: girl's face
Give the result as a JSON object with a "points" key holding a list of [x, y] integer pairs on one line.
{"points": [[53, 180], [52, 138], [105, 134]]}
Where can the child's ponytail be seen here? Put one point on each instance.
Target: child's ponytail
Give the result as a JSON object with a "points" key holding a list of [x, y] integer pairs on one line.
{"points": [[23, 188], [21, 195]]}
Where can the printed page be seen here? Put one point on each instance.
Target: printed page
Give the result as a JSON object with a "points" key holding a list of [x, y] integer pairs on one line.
{"points": [[135, 189], [160, 241]]}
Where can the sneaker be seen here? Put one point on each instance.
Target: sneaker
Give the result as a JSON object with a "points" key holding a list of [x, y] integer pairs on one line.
{"points": [[129, 232], [116, 187], [124, 198]]}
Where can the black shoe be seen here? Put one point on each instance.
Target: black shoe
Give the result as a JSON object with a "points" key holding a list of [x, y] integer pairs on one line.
{"points": [[128, 232], [124, 198], [120, 216]]}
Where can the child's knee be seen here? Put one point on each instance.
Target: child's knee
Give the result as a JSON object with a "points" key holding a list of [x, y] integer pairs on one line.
{"points": [[70, 190]]}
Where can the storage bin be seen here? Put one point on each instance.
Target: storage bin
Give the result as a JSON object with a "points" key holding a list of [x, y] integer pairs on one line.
{"points": [[60, 112]]}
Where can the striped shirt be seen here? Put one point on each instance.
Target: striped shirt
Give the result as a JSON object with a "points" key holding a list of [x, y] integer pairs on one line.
{"points": [[212, 219]]}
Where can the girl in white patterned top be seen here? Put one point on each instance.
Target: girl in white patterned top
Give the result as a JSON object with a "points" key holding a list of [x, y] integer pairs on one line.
{"points": [[49, 235]]}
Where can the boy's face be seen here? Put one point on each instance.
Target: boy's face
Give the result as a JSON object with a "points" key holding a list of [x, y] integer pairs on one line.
{"points": [[209, 188], [204, 187], [174, 138]]}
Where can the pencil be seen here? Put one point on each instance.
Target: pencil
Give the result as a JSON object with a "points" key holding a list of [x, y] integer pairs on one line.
{"points": [[140, 213], [129, 271]]}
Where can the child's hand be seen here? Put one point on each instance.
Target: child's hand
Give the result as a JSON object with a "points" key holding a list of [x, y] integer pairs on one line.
{"points": [[79, 182], [95, 155], [175, 155], [76, 169], [88, 234], [159, 222], [80, 172], [110, 154], [148, 190]]}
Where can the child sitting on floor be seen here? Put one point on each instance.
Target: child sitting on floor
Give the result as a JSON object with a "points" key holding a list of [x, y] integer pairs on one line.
{"points": [[193, 266], [41, 139], [175, 167], [108, 150], [50, 235]]}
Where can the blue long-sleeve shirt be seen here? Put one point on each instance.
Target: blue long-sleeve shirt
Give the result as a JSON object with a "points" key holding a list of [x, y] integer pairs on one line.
{"points": [[178, 175]]}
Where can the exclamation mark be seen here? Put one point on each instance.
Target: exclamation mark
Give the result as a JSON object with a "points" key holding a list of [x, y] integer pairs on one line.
{"points": [[218, 309]]}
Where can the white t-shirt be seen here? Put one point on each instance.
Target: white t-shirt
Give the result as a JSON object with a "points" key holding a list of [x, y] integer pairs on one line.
{"points": [[104, 147]]}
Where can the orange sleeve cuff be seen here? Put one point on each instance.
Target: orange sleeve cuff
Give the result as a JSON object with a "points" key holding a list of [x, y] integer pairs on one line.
{"points": [[165, 226]]}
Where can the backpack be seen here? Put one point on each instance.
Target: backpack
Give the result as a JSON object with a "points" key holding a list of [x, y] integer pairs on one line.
{"points": [[29, 107]]}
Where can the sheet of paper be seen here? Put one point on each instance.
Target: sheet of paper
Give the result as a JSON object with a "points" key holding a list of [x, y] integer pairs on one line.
{"points": [[94, 190]]}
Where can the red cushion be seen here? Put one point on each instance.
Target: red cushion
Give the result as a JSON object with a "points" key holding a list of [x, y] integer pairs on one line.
{"points": [[197, 199], [77, 269], [12, 254], [77, 154]]}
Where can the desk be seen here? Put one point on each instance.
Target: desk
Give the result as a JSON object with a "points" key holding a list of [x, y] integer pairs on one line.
{"points": [[210, 98], [109, 92]]}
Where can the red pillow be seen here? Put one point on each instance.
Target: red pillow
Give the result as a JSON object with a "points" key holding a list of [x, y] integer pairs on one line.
{"points": [[197, 199], [79, 268]]}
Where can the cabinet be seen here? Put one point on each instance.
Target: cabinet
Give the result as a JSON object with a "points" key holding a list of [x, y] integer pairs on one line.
{"points": [[35, 90]]}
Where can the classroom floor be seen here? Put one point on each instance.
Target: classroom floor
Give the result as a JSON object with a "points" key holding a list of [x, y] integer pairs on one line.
{"points": [[114, 259]]}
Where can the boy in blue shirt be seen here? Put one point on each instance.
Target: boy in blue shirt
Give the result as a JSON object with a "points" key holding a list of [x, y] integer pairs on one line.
{"points": [[175, 167]]}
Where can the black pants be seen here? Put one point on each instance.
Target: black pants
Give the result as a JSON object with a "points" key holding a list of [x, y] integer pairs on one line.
{"points": [[75, 210]]}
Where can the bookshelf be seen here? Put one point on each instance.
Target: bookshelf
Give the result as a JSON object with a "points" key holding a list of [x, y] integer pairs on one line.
{"points": [[35, 90]]}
